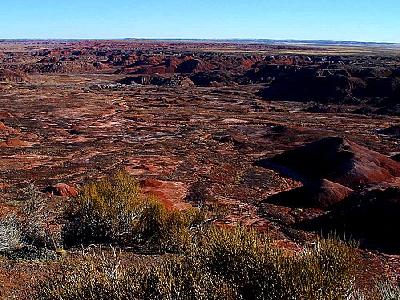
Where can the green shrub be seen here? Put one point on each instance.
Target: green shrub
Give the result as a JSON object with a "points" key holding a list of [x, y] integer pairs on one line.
{"points": [[105, 211], [243, 257], [114, 211], [198, 193], [325, 271]]}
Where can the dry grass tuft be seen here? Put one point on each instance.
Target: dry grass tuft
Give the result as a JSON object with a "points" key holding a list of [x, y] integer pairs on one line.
{"points": [[27, 234], [223, 263]]}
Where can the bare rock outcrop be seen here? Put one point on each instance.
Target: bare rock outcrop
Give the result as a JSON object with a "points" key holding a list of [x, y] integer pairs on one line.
{"points": [[62, 190]]}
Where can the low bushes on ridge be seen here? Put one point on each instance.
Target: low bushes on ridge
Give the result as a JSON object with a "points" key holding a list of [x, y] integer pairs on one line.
{"points": [[114, 211], [207, 262]]}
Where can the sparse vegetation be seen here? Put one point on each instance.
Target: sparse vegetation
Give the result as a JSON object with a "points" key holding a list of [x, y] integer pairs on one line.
{"points": [[199, 196], [106, 276], [190, 258], [198, 193], [387, 291], [28, 234], [383, 290], [260, 271], [235, 264], [114, 211], [35, 220], [10, 234], [213, 262]]}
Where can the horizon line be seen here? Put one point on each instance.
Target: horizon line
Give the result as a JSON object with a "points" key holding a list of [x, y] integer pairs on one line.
{"points": [[208, 39]]}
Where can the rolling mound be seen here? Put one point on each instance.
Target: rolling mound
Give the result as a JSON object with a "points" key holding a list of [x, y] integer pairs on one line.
{"points": [[336, 159], [320, 194]]}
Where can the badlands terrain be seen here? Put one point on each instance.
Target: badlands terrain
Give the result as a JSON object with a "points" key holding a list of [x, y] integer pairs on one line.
{"points": [[293, 140]]}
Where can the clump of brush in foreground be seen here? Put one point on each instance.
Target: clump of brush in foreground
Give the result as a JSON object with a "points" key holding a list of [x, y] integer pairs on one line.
{"points": [[387, 291], [28, 234], [383, 290], [260, 271], [114, 211], [223, 263], [109, 276]]}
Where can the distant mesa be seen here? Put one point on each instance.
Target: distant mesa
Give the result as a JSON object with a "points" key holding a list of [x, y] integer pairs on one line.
{"points": [[310, 83], [305, 85], [170, 81], [212, 78], [396, 157]]}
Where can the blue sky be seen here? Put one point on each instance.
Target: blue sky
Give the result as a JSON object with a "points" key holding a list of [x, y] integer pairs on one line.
{"points": [[361, 20]]}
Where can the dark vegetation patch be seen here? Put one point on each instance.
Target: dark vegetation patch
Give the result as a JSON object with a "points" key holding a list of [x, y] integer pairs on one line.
{"points": [[370, 217]]}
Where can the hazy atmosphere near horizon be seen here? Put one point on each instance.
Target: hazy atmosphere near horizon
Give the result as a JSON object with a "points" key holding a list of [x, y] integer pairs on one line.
{"points": [[357, 20]]}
